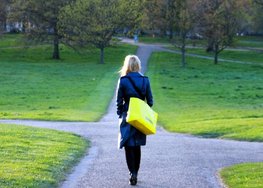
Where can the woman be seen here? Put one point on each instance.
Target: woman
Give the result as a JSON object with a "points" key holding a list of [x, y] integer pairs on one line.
{"points": [[132, 84]]}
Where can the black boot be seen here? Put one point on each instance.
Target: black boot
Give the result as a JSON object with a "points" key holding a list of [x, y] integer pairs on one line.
{"points": [[133, 179]]}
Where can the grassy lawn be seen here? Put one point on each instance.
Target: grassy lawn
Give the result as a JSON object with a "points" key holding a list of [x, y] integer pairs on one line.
{"points": [[11, 40], [249, 41], [223, 101], [167, 41], [34, 157], [240, 41], [153, 40], [76, 88], [213, 101], [245, 56], [243, 175]]}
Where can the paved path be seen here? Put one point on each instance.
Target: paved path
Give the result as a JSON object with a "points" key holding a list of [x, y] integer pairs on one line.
{"points": [[163, 47], [212, 58], [168, 160]]}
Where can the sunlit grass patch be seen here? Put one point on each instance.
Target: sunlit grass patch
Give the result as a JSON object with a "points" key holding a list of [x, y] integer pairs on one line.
{"points": [[243, 175], [222, 100], [34, 157], [76, 88]]}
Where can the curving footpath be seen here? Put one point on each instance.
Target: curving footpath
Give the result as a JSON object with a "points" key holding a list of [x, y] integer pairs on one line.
{"points": [[168, 160]]}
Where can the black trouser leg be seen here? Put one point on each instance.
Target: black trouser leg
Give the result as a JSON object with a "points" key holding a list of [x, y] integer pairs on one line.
{"points": [[133, 158], [137, 151]]}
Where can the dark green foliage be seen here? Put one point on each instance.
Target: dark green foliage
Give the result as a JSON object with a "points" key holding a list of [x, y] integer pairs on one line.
{"points": [[40, 20]]}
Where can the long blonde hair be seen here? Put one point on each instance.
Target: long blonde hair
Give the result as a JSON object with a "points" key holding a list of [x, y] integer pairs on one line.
{"points": [[131, 64]]}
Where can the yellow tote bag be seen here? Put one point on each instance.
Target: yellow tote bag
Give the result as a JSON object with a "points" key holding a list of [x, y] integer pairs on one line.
{"points": [[141, 116]]}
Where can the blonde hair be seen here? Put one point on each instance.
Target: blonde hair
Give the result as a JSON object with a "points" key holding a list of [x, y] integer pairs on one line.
{"points": [[131, 64]]}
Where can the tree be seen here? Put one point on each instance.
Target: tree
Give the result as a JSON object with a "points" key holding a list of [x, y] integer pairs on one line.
{"points": [[154, 18], [185, 17], [3, 14], [171, 16], [91, 22], [258, 16], [130, 15], [244, 20], [220, 24], [259, 2], [40, 17]]}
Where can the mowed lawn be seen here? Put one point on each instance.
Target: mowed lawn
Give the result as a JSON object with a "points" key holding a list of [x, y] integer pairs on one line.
{"points": [[250, 56], [33, 86], [249, 41], [76, 88], [244, 175], [34, 157], [216, 101], [254, 42]]}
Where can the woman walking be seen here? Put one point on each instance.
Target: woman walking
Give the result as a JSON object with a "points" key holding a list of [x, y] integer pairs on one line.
{"points": [[132, 84]]}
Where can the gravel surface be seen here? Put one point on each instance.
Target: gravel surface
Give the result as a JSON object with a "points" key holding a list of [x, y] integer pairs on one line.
{"points": [[168, 159]]}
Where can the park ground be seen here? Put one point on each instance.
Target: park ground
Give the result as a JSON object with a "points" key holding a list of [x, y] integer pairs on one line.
{"points": [[215, 101]]}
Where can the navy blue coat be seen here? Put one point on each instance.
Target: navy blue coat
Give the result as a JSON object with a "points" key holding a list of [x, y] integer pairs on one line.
{"points": [[128, 135]]}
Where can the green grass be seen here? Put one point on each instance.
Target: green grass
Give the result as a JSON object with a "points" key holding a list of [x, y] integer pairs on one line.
{"points": [[249, 41], [240, 41], [248, 175], [34, 157], [76, 88], [11, 40], [215, 101], [245, 56], [153, 40], [167, 41]]}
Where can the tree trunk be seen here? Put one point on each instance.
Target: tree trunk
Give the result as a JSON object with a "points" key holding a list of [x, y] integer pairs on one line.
{"points": [[216, 54], [5, 26], [183, 52], [171, 33], [216, 58], [183, 56], [23, 27], [210, 46], [56, 54], [163, 32], [102, 55]]}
